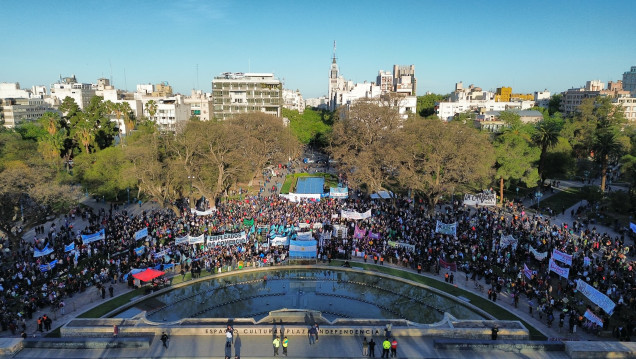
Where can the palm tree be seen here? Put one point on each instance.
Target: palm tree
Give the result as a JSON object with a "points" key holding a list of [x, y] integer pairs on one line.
{"points": [[546, 136], [606, 145], [50, 122], [151, 107], [129, 120], [84, 135]]}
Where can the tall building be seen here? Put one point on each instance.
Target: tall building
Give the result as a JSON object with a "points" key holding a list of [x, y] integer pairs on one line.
{"points": [[404, 81], [629, 80], [293, 100], [385, 81], [14, 111], [236, 93], [200, 105], [69, 87]]}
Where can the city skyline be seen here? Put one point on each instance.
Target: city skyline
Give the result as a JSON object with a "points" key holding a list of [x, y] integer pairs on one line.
{"points": [[529, 47]]}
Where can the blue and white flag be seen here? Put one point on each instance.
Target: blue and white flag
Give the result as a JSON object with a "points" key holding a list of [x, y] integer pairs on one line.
{"points": [[302, 249], [43, 252], [142, 233], [97, 236], [140, 250], [69, 247], [47, 267]]}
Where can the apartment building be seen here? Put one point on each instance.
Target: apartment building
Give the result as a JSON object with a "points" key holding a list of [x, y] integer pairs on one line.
{"points": [[236, 93]]}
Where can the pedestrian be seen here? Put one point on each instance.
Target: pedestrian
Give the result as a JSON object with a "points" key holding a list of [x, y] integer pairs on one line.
{"points": [[493, 333], [317, 330], [115, 331], [452, 278], [387, 330], [23, 334], [312, 335], [40, 324], [276, 344], [365, 347], [62, 305], [386, 346], [285, 344], [165, 339], [372, 348], [229, 336], [47, 322], [394, 344], [111, 290], [103, 292]]}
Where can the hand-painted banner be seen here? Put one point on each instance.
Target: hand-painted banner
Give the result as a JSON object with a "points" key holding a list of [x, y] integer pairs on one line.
{"points": [[98, 236], [196, 240], [226, 239], [373, 235], [279, 241], [139, 251], [141, 234], [593, 318], [528, 272], [355, 215], [302, 249], [481, 199], [452, 266], [359, 233], [444, 228], [69, 247], [339, 192], [538, 255], [304, 236], [595, 296], [182, 240], [509, 240], [202, 213], [563, 272], [47, 267], [562, 257], [407, 246], [43, 252]]}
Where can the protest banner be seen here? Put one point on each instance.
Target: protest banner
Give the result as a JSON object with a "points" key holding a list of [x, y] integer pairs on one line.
{"points": [[451, 266], [538, 255], [528, 272], [595, 296], [562, 257], [69, 247], [563, 272], [226, 239], [481, 199], [302, 249], [203, 213], [359, 232], [593, 318], [182, 240], [355, 215], [97, 236], [407, 246], [446, 228], [141, 234], [279, 241], [47, 267], [39, 253], [508, 240]]}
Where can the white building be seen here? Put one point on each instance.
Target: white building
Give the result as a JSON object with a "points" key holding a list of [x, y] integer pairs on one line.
{"points": [[542, 98], [236, 93], [82, 93], [14, 111], [448, 110], [170, 112], [293, 100], [13, 90], [629, 107], [321, 102], [200, 105]]}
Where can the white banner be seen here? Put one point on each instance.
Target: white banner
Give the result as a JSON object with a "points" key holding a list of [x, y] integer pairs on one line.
{"points": [[279, 241], [481, 199], [196, 240], [446, 228], [304, 236], [339, 231], [593, 318], [562, 257], [226, 239], [538, 255], [203, 213], [563, 272], [595, 296], [355, 215], [407, 246], [508, 241], [182, 240]]}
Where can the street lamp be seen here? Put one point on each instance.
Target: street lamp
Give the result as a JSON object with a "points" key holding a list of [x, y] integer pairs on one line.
{"points": [[190, 196]]}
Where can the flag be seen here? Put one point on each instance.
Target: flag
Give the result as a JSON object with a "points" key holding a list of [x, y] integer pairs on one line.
{"points": [[452, 266]]}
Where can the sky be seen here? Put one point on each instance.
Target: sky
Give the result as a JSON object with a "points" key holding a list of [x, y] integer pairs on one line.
{"points": [[530, 46]]}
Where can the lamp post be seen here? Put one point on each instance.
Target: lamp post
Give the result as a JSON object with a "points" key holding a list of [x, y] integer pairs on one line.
{"points": [[538, 196], [190, 196]]}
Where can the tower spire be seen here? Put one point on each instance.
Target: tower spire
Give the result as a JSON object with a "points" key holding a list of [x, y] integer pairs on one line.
{"points": [[334, 51]]}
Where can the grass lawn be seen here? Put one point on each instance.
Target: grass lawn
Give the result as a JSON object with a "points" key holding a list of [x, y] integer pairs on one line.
{"points": [[484, 304], [112, 304], [563, 199], [290, 180]]}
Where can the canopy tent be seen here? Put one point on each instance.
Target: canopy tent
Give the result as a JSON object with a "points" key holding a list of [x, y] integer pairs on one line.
{"points": [[148, 275]]}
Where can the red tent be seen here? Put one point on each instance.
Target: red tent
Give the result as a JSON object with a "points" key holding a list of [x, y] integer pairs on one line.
{"points": [[148, 275]]}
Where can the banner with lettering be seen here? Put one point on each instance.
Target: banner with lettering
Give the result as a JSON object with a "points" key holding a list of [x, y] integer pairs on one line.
{"points": [[451, 266], [339, 192], [446, 228], [226, 239], [39, 253], [538, 255], [302, 249], [196, 240], [304, 236], [355, 215], [481, 199], [47, 267], [141, 234], [279, 241], [562, 257], [563, 272], [359, 233], [69, 247], [203, 213], [509, 240], [595, 296], [593, 318], [182, 240], [373, 235], [406, 246], [97, 236]]}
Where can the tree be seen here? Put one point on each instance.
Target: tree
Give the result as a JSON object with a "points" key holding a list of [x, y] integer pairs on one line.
{"points": [[360, 138], [515, 158], [426, 104], [438, 158], [546, 136], [308, 127], [50, 121], [607, 146], [554, 105], [69, 107], [151, 108], [101, 173], [83, 134]]}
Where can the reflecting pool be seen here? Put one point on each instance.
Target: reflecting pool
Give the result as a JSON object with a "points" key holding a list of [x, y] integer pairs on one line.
{"points": [[335, 293]]}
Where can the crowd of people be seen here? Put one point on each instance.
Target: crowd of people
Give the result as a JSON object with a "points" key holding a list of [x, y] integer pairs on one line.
{"points": [[399, 231]]}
